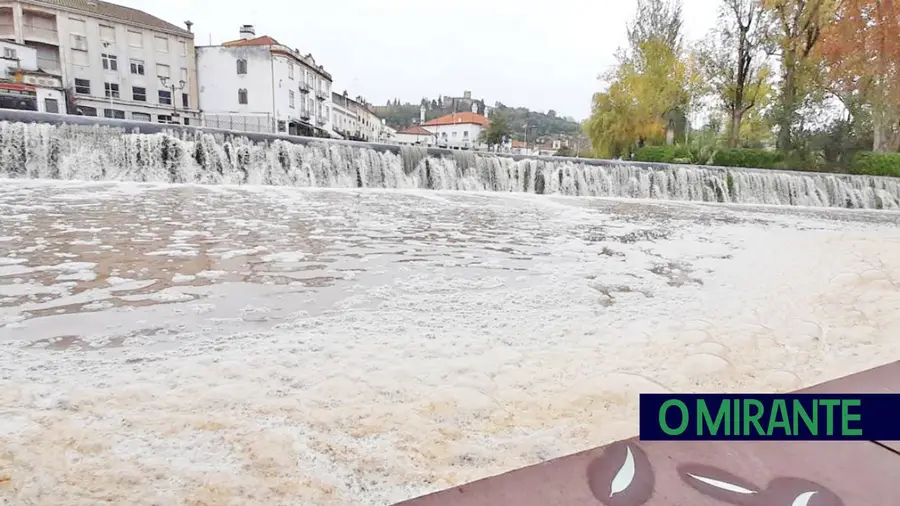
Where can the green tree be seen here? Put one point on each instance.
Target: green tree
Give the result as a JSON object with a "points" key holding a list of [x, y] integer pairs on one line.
{"points": [[798, 30], [649, 90], [734, 61], [498, 129]]}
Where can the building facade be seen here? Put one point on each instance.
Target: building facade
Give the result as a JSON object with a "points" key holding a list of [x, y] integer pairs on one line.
{"points": [[257, 84], [113, 61], [353, 119], [415, 136], [461, 130], [24, 86]]}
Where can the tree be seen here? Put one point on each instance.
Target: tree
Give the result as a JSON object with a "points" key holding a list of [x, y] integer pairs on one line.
{"points": [[799, 25], [649, 89], [860, 54], [497, 130], [733, 60]]}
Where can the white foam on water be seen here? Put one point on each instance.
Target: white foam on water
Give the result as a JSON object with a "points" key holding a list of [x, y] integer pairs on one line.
{"points": [[368, 346]]}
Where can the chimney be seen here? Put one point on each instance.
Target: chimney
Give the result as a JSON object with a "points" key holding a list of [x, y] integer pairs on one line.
{"points": [[247, 32]]}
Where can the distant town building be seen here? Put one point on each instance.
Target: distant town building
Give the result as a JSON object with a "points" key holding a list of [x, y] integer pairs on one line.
{"points": [[460, 130], [465, 103], [415, 135], [114, 61], [257, 84], [24, 86], [354, 119]]}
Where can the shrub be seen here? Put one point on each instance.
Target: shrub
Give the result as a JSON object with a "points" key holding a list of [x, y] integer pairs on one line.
{"points": [[663, 154], [876, 164], [749, 158]]}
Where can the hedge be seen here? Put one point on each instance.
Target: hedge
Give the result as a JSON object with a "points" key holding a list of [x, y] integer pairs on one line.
{"points": [[876, 164], [663, 154], [864, 163]]}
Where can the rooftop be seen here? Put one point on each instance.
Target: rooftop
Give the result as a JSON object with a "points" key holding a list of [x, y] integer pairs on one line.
{"points": [[415, 130], [265, 40], [459, 118], [117, 12]]}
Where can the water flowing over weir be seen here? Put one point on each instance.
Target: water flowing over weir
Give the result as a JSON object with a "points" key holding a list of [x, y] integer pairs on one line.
{"points": [[46, 146]]}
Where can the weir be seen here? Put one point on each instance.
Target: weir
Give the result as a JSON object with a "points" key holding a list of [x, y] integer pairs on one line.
{"points": [[51, 146]]}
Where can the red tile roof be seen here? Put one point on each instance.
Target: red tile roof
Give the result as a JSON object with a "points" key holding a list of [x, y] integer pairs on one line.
{"points": [[263, 40], [415, 130], [459, 117]]}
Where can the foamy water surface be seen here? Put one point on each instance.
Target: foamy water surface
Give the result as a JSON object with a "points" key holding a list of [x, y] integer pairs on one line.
{"points": [[174, 345]]}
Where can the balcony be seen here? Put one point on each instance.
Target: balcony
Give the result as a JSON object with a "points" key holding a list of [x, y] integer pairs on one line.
{"points": [[39, 34], [321, 120], [304, 115], [321, 95], [304, 88]]}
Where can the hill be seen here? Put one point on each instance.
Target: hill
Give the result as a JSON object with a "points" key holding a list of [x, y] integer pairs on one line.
{"points": [[540, 124]]}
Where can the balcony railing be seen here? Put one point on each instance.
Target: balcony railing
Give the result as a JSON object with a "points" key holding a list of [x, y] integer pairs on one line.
{"points": [[321, 120], [321, 95], [304, 87], [304, 114], [40, 34]]}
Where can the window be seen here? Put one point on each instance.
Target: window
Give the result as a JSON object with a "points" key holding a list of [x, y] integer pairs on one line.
{"points": [[466, 134], [242, 66], [162, 70], [184, 76], [281, 126], [182, 46], [113, 113], [187, 121], [80, 58], [112, 90], [9, 52], [51, 105], [161, 43], [79, 42], [110, 62], [184, 100], [139, 94], [165, 97], [291, 99], [84, 110], [78, 26], [137, 67], [140, 116], [290, 70], [82, 87], [107, 33], [242, 96], [135, 39], [163, 119]]}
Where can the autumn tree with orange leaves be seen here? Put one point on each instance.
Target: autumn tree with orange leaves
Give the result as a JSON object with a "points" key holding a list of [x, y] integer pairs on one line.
{"points": [[860, 52]]}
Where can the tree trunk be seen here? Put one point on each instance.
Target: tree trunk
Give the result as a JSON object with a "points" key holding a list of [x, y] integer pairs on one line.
{"points": [[734, 129], [788, 104]]}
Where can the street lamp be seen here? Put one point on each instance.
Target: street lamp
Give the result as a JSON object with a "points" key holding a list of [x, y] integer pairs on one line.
{"points": [[172, 89]]}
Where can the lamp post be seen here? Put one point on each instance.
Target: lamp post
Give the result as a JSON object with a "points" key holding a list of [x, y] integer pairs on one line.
{"points": [[172, 89]]}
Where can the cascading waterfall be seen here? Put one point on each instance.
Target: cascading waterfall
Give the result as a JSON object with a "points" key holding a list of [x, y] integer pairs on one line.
{"points": [[100, 152]]}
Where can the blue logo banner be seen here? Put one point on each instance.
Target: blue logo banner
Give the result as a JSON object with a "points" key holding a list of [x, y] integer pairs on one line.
{"points": [[775, 417]]}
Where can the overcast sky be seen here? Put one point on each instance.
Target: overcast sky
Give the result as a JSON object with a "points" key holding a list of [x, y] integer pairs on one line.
{"points": [[541, 55]]}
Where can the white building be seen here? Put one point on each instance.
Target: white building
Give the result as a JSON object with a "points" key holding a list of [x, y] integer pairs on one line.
{"points": [[256, 84], [114, 61], [24, 86], [388, 134], [460, 130], [353, 119], [415, 136]]}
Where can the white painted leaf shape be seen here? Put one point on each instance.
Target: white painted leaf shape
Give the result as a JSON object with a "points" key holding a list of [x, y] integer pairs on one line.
{"points": [[625, 475], [803, 499], [724, 485]]}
